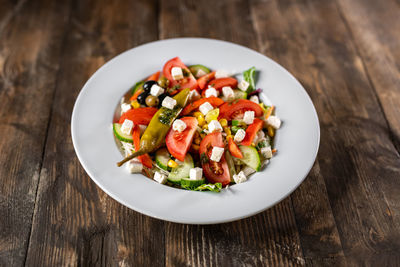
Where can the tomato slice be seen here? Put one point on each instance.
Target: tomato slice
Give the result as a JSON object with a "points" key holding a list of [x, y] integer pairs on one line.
{"points": [[178, 143], [139, 115], [230, 111], [222, 82], [153, 77], [215, 172], [251, 131], [203, 80], [214, 101], [188, 81], [144, 159], [234, 149]]}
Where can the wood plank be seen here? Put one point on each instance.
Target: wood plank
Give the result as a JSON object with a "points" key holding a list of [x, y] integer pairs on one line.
{"points": [[357, 159], [75, 223], [30, 43], [375, 29], [270, 238]]}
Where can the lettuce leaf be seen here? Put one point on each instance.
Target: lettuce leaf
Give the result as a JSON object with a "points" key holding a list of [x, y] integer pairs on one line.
{"points": [[205, 187], [250, 77]]}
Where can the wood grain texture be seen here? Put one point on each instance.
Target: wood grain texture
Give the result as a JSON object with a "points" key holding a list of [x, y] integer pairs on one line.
{"points": [[357, 159], [31, 38]]}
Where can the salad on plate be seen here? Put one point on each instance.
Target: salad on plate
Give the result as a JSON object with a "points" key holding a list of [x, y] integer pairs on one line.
{"points": [[195, 128]]}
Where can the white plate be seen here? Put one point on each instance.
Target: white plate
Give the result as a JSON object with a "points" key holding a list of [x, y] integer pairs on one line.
{"points": [[297, 141]]}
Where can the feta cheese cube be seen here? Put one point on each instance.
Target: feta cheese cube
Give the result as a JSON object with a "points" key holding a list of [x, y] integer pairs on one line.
{"points": [[125, 107], [254, 99], [239, 136], [169, 102], [266, 152], [211, 92], [248, 117], [179, 125], [214, 126], [160, 178], [194, 95], [177, 73], [248, 170], [134, 166], [196, 173], [228, 92], [127, 126], [259, 137], [200, 73], [274, 121], [240, 177], [216, 153], [221, 74], [205, 108], [156, 90], [243, 85]]}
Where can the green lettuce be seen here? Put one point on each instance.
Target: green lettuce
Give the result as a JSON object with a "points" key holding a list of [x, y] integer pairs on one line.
{"points": [[250, 77], [205, 187]]}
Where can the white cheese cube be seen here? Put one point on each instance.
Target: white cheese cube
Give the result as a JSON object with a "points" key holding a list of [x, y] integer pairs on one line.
{"points": [[128, 148], [248, 170], [274, 121], [259, 137], [177, 73], [240, 177], [160, 178], [127, 126], [254, 99], [243, 85], [216, 153], [266, 152], [214, 126], [134, 166], [169, 102], [179, 125], [211, 92], [125, 107], [194, 95], [205, 108], [221, 74], [156, 90], [228, 92], [200, 73], [196, 173], [239, 136], [248, 117]]}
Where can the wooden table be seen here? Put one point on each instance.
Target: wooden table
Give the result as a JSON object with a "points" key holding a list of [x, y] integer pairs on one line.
{"points": [[346, 53]]}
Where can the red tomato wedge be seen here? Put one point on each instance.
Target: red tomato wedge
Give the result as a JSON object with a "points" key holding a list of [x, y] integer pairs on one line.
{"points": [[234, 149], [203, 80], [251, 131], [139, 115], [222, 82], [214, 101], [178, 143], [154, 77], [215, 172], [230, 111], [144, 159], [188, 81]]}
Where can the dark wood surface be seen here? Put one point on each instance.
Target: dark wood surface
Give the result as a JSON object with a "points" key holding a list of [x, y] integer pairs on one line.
{"points": [[346, 53]]}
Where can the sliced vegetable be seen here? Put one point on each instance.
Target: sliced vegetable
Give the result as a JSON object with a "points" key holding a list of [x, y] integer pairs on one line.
{"points": [[136, 93], [234, 149], [215, 101], [191, 184], [137, 86], [182, 171], [252, 131], [154, 76], [222, 82], [120, 135], [203, 81], [231, 111], [178, 143], [250, 77], [250, 157], [138, 115], [231, 164], [162, 157], [212, 115], [195, 68], [145, 158], [269, 112], [238, 94], [209, 187], [187, 82]]}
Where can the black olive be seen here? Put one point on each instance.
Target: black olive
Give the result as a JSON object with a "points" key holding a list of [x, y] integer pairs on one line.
{"points": [[147, 85], [161, 98], [142, 98]]}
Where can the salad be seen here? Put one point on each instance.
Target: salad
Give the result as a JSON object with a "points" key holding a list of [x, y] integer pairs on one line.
{"points": [[195, 128]]}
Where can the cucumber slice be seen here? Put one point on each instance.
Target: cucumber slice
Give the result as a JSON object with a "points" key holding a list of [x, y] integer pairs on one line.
{"points": [[231, 164], [238, 94], [182, 171], [162, 158], [195, 68], [120, 135], [186, 182], [250, 157], [137, 86]]}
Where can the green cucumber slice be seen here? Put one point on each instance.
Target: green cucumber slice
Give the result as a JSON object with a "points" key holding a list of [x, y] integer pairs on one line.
{"points": [[250, 157], [182, 171], [238, 94], [120, 135], [192, 184], [137, 86], [195, 68], [162, 158]]}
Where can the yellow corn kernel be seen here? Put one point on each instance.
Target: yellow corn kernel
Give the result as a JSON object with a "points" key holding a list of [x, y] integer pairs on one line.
{"points": [[201, 121], [223, 122], [227, 130], [198, 114], [271, 131], [252, 144], [195, 147], [135, 104], [172, 164], [205, 126], [197, 140]]}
